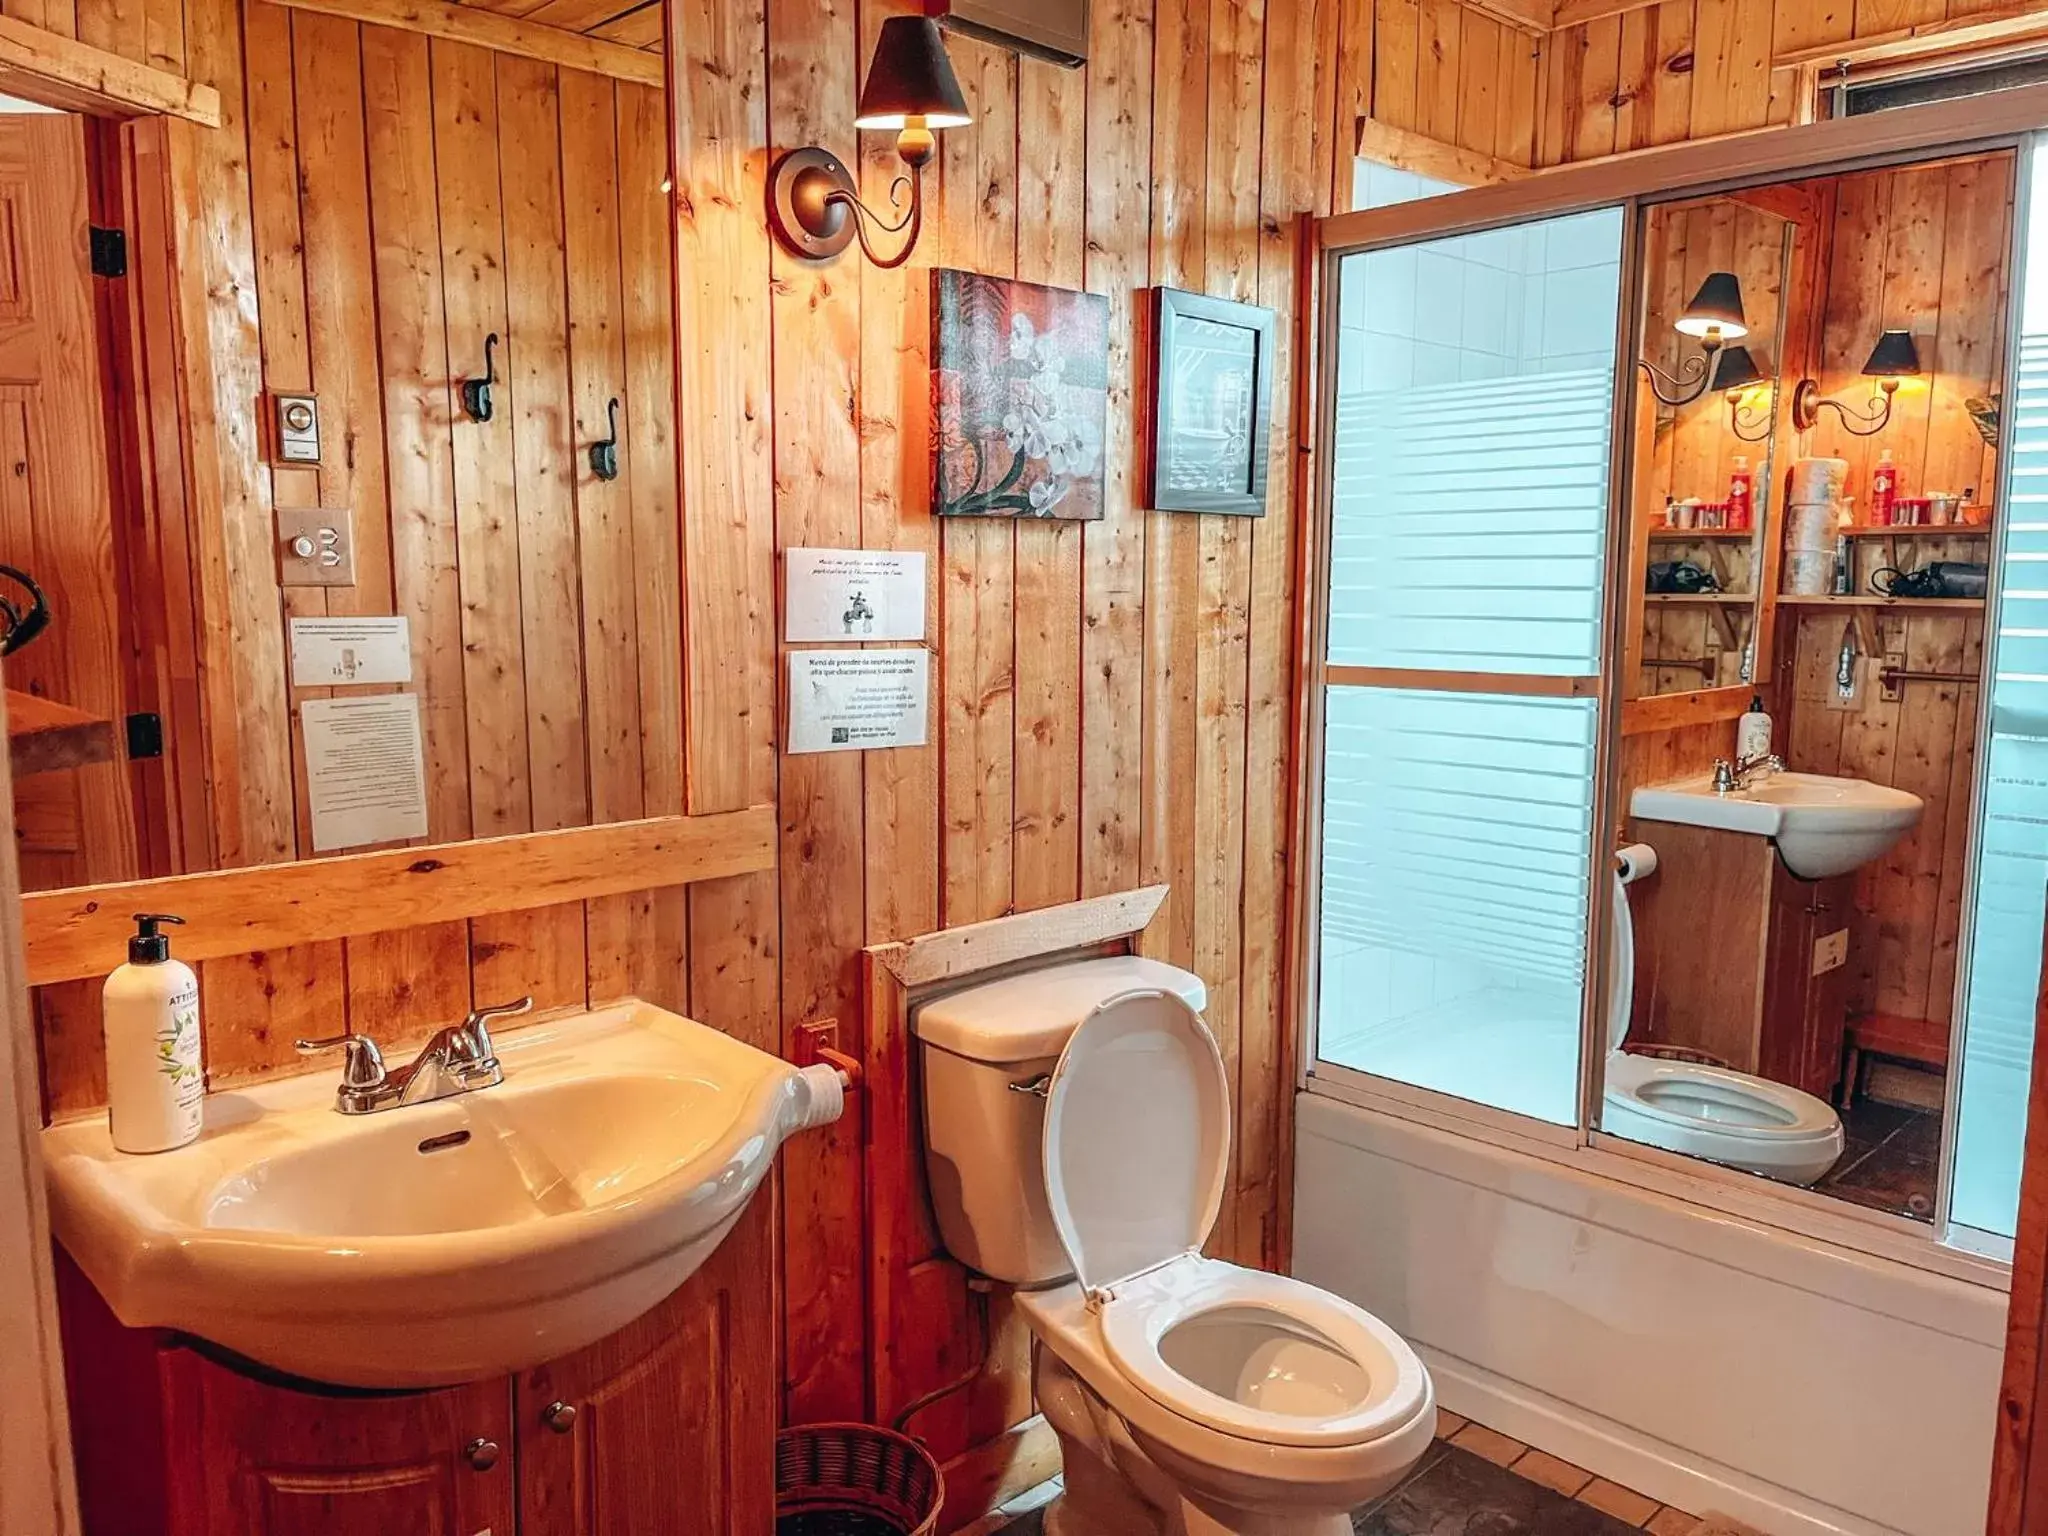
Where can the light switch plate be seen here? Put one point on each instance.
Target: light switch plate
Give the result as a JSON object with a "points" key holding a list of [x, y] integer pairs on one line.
{"points": [[315, 547], [1831, 952], [298, 429]]}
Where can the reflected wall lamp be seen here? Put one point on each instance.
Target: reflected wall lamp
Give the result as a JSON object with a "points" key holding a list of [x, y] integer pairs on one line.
{"points": [[814, 207], [1735, 376], [1893, 358], [1714, 318]]}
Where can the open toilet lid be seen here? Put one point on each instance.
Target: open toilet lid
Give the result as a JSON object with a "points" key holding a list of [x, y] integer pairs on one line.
{"points": [[1137, 1136]]}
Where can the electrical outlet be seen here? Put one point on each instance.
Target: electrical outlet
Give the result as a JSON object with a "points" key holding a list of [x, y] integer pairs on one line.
{"points": [[1831, 952], [1853, 699]]}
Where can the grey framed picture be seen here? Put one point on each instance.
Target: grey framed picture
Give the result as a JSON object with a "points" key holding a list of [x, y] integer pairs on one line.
{"points": [[1212, 404]]}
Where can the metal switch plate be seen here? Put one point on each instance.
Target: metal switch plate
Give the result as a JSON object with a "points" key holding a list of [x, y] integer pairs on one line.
{"points": [[315, 547], [298, 429]]}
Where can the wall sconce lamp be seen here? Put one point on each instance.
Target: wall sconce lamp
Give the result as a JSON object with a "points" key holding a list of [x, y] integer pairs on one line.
{"points": [[814, 207], [1893, 358], [1736, 375], [1714, 318]]}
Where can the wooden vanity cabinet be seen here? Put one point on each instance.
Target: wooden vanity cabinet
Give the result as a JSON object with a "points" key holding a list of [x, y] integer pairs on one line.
{"points": [[667, 1428], [1729, 959]]}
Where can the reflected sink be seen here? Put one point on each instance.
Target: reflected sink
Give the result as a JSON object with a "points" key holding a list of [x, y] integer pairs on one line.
{"points": [[444, 1242], [1823, 826]]}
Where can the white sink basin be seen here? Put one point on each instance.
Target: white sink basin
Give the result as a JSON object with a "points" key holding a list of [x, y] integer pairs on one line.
{"points": [[444, 1242], [1823, 826]]}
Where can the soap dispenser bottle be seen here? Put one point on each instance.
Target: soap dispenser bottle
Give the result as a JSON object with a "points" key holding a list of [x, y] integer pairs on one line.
{"points": [[1753, 733], [150, 1011]]}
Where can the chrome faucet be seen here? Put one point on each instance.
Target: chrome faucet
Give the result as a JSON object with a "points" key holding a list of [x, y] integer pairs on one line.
{"points": [[1729, 777], [459, 1059]]}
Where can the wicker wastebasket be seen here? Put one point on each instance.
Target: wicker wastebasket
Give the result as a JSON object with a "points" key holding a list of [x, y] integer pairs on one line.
{"points": [[854, 1480]]}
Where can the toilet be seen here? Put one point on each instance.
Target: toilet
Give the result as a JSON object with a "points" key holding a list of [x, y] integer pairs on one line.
{"points": [[1707, 1112], [1077, 1134]]}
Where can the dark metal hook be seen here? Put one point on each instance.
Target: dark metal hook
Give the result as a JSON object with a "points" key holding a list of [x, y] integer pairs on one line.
{"points": [[476, 393], [604, 456]]}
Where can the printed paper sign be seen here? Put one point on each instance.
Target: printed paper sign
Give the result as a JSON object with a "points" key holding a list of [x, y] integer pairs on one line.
{"points": [[333, 653], [851, 701], [854, 594], [366, 776]]}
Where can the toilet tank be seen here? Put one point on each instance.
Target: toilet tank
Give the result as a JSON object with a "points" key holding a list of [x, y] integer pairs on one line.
{"points": [[979, 1047]]}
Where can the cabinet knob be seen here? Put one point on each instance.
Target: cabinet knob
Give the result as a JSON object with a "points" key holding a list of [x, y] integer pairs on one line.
{"points": [[559, 1416], [482, 1455]]}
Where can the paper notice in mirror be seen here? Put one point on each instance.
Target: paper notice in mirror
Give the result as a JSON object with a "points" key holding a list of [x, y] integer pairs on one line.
{"points": [[366, 779], [853, 701], [854, 594]]}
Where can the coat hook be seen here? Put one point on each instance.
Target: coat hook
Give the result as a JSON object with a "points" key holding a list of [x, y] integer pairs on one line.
{"points": [[604, 456], [476, 393]]}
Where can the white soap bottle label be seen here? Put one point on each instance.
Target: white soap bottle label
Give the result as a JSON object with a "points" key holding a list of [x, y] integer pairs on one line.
{"points": [[156, 1089]]}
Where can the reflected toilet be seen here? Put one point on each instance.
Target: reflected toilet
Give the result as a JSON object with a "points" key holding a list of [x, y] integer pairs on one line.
{"points": [[1703, 1111]]}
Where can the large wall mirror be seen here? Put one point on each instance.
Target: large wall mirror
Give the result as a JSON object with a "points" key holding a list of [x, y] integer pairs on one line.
{"points": [[450, 609], [1717, 279], [1791, 932]]}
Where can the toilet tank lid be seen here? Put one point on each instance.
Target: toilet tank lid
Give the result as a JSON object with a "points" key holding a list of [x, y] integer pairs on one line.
{"points": [[1030, 1016]]}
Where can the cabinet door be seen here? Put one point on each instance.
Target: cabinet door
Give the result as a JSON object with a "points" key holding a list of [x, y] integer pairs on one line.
{"points": [[667, 1426], [250, 1458]]}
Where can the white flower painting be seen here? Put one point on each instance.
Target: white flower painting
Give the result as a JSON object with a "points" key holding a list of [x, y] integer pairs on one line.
{"points": [[1021, 389]]}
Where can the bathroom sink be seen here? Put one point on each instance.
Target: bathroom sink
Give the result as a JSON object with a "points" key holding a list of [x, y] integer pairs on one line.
{"points": [[1823, 826], [449, 1241]]}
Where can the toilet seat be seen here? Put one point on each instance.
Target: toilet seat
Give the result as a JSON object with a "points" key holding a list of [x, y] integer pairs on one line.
{"points": [[1716, 1100], [1348, 1378]]}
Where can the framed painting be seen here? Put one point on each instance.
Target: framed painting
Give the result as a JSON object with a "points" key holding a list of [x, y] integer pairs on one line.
{"points": [[1020, 398], [1212, 404]]}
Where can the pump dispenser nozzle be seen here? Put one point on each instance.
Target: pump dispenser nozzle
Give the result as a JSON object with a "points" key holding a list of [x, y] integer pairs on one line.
{"points": [[149, 947]]}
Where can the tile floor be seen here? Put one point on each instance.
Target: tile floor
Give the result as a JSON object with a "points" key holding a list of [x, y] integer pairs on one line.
{"points": [[1891, 1160], [1473, 1479]]}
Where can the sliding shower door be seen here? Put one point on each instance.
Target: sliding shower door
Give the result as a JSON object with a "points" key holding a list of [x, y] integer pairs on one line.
{"points": [[1473, 383]]}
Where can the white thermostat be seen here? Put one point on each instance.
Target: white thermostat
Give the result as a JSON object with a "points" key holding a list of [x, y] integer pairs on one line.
{"points": [[298, 429]]}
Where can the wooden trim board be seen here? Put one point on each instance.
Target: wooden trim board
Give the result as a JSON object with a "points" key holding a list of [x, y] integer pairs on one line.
{"points": [[501, 34], [68, 935], [1674, 711], [956, 952], [43, 66], [1535, 685], [2009, 24], [1417, 152]]}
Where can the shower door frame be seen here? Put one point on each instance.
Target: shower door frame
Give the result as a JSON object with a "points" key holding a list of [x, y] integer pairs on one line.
{"points": [[1634, 183]]}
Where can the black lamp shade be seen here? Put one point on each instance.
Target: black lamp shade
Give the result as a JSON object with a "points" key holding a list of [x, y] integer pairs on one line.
{"points": [[910, 78], [1736, 369], [1894, 357], [1716, 307]]}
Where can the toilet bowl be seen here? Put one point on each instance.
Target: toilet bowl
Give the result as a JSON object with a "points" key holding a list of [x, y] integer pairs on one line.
{"points": [[1189, 1395], [1703, 1111]]}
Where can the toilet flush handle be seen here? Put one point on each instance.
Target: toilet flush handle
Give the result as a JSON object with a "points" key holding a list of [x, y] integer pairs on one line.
{"points": [[1039, 1086]]}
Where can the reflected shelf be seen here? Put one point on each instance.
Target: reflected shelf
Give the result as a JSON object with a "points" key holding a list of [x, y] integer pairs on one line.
{"points": [[1700, 597], [1838, 600]]}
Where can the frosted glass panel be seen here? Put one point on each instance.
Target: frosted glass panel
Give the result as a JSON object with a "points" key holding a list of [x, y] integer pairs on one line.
{"points": [[2005, 944], [1456, 838], [1473, 425]]}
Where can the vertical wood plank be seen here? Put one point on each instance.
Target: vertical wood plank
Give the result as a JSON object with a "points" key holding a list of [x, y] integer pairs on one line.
{"points": [[1051, 174], [817, 313]]}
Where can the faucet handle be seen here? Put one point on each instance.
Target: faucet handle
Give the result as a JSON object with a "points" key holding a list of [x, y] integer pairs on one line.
{"points": [[1724, 776], [473, 1037], [363, 1064]]}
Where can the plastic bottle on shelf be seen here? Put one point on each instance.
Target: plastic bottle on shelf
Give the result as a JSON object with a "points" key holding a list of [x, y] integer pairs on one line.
{"points": [[1884, 490], [1741, 494]]}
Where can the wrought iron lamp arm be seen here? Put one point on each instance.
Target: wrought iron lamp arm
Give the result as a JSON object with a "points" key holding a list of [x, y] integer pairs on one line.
{"points": [[1808, 403], [911, 222], [1738, 413], [1685, 386]]}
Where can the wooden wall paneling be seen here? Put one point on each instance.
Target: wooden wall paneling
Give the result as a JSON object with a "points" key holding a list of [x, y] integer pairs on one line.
{"points": [[1052, 105], [647, 264], [543, 952], [619, 926], [1968, 355], [1438, 54], [474, 26], [978, 232], [719, 137], [1118, 215], [1732, 66], [814, 59], [466, 135], [1597, 77], [41, 61], [1397, 63], [1479, 51], [1293, 180], [1223, 603], [1352, 68], [1173, 543], [419, 405]]}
